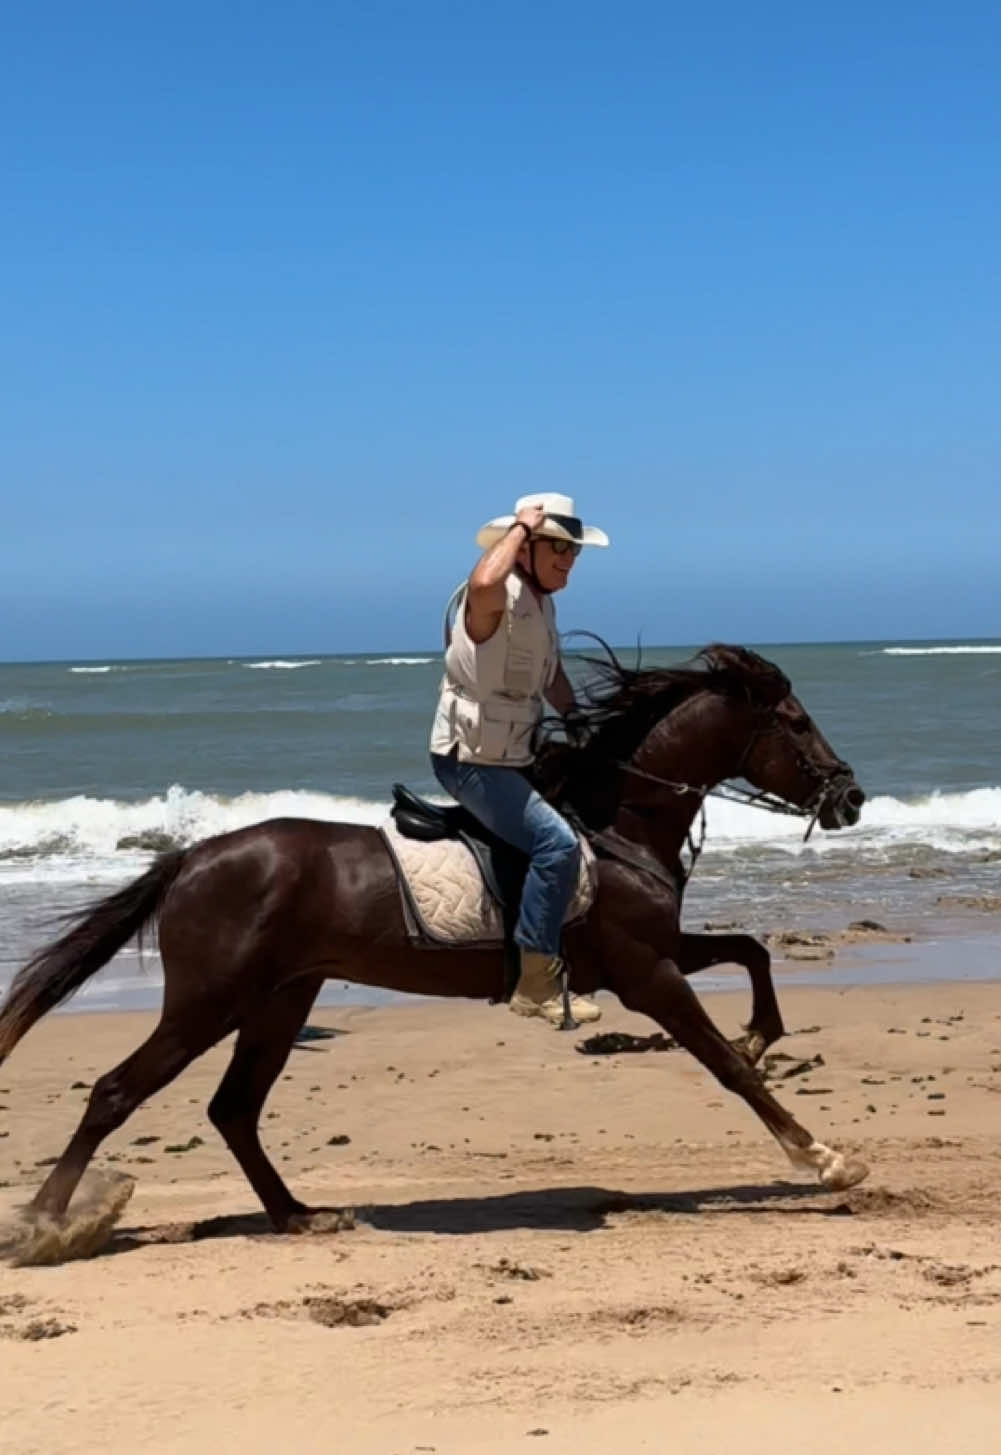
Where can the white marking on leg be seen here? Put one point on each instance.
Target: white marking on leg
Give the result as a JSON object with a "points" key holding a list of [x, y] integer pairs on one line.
{"points": [[834, 1171]]}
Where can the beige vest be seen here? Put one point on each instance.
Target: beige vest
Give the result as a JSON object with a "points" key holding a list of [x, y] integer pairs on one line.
{"points": [[492, 692]]}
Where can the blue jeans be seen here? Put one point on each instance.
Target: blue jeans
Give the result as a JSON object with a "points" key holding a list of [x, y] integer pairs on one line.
{"points": [[506, 803]]}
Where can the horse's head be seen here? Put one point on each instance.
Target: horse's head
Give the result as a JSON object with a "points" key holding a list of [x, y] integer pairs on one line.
{"points": [[787, 754], [725, 714]]}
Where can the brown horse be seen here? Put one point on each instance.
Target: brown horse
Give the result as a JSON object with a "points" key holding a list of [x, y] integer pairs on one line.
{"points": [[251, 923]]}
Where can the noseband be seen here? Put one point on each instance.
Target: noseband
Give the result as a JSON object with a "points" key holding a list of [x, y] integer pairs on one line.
{"points": [[827, 781]]}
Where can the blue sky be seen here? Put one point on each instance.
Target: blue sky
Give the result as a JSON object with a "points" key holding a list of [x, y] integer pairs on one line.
{"points": [[298, 295]]}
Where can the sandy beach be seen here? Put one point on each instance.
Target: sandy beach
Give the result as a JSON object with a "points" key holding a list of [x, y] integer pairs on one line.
{"points": [[552, 1251]]}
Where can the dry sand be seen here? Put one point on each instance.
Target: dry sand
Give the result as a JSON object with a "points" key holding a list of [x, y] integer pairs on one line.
{"points": [[554, 1253]]}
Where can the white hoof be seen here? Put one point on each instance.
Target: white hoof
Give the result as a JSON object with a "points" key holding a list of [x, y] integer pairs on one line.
{"points": [[845, 1172], [834, 1171]]}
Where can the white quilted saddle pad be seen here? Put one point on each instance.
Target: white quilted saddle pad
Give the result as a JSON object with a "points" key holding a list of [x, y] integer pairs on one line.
{"points": [[446, 891]]}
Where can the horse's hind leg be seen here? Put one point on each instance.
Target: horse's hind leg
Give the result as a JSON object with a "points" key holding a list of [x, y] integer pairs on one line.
{"points": [[698, 952], [116, 1095], [660, 991], [261, 1050]]}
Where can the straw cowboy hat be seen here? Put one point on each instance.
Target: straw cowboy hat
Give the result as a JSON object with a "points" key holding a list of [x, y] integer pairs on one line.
{"points": [[561, 521]]}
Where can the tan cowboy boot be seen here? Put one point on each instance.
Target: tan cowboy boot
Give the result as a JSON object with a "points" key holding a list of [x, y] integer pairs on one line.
{"points": [[538, 992], [585, 1009]]}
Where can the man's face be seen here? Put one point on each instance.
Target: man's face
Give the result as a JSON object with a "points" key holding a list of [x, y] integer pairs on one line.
{"points": [[552, 560]]}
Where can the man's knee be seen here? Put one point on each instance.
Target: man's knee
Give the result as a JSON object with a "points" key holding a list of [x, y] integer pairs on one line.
{"points": [[557, 842]]}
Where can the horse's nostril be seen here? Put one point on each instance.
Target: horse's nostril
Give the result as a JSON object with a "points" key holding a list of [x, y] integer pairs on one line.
{"points": [[854, 798]]}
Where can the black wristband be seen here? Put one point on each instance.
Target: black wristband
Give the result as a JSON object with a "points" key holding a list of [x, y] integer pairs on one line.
{"points": [[526, 528]]}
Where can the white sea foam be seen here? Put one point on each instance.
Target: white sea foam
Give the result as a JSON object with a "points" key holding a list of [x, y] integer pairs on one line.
{"points": [[282, 665], [974, 650], [21, 707], [947, 822], [83, 838], [398, 661], [94, 671]]}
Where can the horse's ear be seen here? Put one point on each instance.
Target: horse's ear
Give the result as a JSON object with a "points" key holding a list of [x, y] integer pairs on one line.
{"points": [[718, 657], [750, 673]]}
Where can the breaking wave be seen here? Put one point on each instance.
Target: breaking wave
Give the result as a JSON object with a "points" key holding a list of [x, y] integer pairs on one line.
{"points": [[973, 650], [20, 707], [109, 838], [105, 837], [958, 823]]}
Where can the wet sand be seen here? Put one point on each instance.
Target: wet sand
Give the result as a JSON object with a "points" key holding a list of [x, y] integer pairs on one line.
{"points": [[552, 1251]]}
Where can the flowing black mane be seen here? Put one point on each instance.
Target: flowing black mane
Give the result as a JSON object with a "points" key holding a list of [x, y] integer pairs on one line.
{"points": [[620, 705]]}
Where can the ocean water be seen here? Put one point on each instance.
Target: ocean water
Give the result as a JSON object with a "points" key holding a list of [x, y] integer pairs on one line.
{"points": [[105, 762]]}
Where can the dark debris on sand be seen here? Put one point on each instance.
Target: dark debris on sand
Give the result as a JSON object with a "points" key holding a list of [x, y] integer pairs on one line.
{"points": [[613, 1043]]}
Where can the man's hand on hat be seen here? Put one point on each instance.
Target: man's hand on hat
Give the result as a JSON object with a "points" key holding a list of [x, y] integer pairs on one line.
{"points": [[486, 597], [531, 516]]}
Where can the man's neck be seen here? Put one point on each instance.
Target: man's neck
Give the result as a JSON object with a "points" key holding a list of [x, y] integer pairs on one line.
{"points": [[526, 578]]}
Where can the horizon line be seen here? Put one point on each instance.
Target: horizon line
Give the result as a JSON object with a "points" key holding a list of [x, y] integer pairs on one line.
{"points": [[373, 654]]}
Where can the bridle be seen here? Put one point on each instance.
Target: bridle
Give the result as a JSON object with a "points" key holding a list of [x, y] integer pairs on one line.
{"points": [[827, 781], [767, 722]]}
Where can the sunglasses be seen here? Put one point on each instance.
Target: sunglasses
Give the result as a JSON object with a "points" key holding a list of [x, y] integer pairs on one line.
{"points": [[561, 547]]}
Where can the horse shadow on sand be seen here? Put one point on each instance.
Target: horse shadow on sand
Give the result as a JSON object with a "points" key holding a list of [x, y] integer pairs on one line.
{"points": [[568, 1209]]}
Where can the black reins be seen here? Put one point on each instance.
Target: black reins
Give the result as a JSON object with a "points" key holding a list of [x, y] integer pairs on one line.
{"points": [[827, 781], [749, 797]]}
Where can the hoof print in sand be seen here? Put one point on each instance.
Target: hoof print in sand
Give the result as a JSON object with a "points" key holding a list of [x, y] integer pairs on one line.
{"points": [[506, 1268], [875, 1201], [330, 1310], [38, 1329], [33, 1329], [635, 1319]]}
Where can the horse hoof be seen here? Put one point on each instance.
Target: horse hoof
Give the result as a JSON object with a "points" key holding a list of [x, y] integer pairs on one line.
{"points": [[320, 1220], [835, 1171], [750, 1047], [844, 1173], [37, 1237]]}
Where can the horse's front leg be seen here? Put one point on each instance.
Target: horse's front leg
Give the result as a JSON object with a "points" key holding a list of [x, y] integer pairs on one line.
{"points": [[698, 952], [657, 988]]}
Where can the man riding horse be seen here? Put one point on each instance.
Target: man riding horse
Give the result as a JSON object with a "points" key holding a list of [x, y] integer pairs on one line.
{"points": [[251, 923], [502, 663]]}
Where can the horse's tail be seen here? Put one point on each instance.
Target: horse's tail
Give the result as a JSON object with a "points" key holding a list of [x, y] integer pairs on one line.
{"points": [[59, 969]]}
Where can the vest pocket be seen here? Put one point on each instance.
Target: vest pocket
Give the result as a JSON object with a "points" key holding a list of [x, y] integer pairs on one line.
{"points": [[506, 732], [467, 719]]}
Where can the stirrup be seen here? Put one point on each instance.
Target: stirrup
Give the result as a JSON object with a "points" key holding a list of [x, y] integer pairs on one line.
{"points": [[564, 1011]]}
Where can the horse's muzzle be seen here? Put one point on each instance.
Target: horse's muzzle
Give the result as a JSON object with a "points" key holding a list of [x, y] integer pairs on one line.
{"points": [[842, 805]]}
